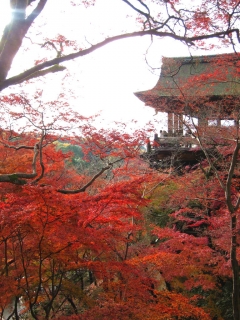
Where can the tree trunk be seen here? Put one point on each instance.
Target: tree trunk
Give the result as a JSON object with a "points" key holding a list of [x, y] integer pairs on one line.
{"points": [[15, 32], [235, 268]]}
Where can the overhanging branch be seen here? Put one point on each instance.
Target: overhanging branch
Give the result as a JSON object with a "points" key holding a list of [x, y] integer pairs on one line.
{"points": [[28, 74]]}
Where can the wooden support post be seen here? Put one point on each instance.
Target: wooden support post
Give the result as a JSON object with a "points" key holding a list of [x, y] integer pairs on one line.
{"points": [[175, 124], [180, 124], [170, 124], [202, 121]]}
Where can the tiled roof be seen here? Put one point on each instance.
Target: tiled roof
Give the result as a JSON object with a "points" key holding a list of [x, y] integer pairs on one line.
{"points": [[195, 82]]}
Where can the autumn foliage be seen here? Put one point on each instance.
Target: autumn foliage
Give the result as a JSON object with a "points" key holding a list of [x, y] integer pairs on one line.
{"points": [[109, 238], [87, 230], [75, 240]]}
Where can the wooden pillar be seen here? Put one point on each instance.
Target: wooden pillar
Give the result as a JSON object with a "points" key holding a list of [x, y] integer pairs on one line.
{"points": [[170, 124], [180, 124], [202, 121], [175, 124]]}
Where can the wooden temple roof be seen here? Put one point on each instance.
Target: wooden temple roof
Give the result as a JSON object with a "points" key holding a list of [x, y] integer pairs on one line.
{"points": [[190, 85]]}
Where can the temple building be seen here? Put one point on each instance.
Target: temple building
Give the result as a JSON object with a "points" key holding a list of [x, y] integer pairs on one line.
{"points": [[203, 88]]}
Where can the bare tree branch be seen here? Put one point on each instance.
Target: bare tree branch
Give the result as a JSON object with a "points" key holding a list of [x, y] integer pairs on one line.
{"points": [[17, 177], [89, 183], [40, 146], [83, 189], [228, 192], [28, 74]]}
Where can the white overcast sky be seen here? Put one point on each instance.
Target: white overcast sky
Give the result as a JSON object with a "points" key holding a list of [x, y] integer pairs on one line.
{"points": [[106, 79]]}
